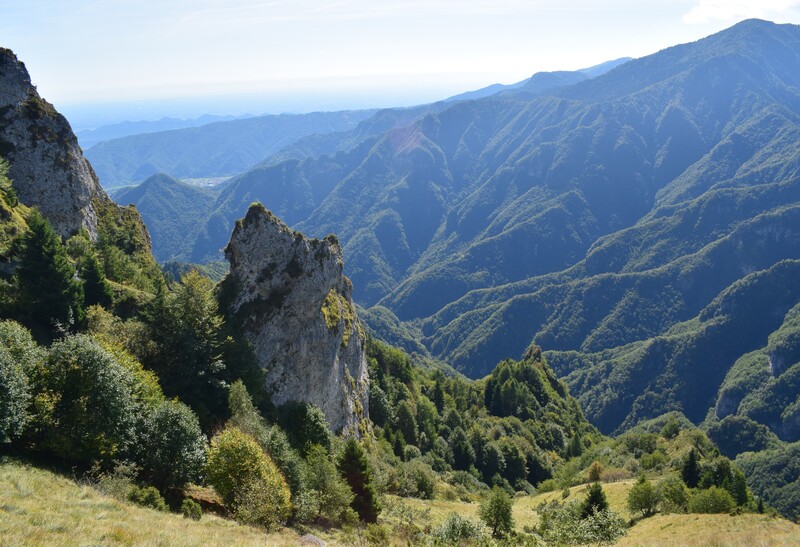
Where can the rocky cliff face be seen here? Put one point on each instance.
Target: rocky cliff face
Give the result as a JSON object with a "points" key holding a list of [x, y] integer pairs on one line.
{"points": [[47, 166], [294, 305]]}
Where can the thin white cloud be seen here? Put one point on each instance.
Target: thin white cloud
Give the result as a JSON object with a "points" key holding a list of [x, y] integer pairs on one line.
{"points": [[724, 10]]}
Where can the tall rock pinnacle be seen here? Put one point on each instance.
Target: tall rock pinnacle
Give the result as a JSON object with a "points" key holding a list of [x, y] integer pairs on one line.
{"points": [[295, 307]]}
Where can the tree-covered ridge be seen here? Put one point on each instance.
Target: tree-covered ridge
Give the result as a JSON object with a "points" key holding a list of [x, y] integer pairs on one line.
{"points": [[510, 429], [598, 215]]}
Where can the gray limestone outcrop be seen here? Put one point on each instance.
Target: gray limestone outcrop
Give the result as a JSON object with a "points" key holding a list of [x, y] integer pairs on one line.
{"points": [[47, 165], [294, 305]]}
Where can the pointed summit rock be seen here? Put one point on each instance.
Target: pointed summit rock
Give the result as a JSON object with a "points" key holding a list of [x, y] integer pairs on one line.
{"points": [[288, 295]]}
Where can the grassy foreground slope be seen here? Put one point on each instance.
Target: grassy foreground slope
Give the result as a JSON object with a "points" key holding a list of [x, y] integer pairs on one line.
{"points": [[38, 507]]}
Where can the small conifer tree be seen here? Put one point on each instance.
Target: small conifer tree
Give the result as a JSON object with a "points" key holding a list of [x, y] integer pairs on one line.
{"points": [[690, 472], [48, 291], [594, 502], [96, 288], [355, 470]]}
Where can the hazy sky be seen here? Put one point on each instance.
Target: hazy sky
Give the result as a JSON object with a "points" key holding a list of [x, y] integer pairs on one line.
{"points": [[305, 54]]}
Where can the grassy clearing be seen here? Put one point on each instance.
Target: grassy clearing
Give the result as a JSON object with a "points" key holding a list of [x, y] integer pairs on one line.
{"points": [[712, 530], [38, 507], [616, 494], [431, 513]]}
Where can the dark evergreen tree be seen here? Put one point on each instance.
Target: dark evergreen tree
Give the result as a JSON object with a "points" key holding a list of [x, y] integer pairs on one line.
{"points": [[595, 501], [406, 422], [380, 411], [463, 453], [493, 462], [48, 292], [575, 447], [96, 289], [305, 425], [187, 330], [355, 470], [438, 395], [690, 472]]}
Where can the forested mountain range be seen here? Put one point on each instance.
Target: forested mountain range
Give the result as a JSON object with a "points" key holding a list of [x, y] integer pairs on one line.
{"points": [[641, 226], [216, 146]]}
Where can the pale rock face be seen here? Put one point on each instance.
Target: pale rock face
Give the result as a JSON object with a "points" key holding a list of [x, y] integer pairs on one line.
{"points": [[295, 308], [47, 166]]}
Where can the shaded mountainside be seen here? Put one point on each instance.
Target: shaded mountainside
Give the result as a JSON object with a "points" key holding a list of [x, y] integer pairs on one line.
{"points": [[643, 226], [573, 217], [218, 149], [172, 211], [611, 221]]}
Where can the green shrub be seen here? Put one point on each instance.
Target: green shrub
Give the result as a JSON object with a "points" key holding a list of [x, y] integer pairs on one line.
{"points": [[238, 469], [410, 452], [643, 498], [712, 500], [147, 496], [596, 471], [673, 495], [172, 447], [83, 404], [247, 479], [14, 397], [458, 530], [377, 534], [190, 509], [331, 493], [24, 350], [416, 479], [263, 501], [562, 524], [117, 482], [272, 439], [495, 512]]}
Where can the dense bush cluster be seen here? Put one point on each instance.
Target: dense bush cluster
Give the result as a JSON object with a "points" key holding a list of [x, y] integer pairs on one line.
{"points": [[509, 431]]}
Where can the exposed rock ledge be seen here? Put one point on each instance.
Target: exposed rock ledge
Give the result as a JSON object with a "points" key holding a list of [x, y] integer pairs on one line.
{"points": [[295, 307]]}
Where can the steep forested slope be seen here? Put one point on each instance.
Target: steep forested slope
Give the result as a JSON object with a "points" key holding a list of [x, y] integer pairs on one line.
{"points": [[610, 221]]}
